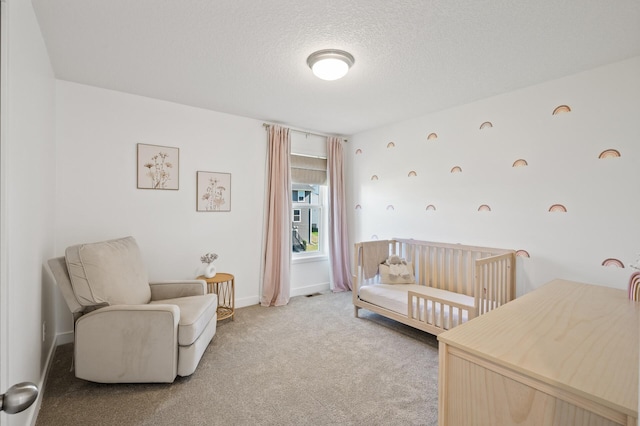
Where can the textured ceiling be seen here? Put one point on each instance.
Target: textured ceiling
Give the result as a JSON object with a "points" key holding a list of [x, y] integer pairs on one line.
{"points": [[248, 57]]}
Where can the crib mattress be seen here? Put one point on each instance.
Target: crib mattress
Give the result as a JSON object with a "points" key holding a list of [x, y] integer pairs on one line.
{"points": [[394, 298]]}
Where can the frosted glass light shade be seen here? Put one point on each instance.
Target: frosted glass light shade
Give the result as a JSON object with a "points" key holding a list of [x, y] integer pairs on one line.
{"points": [[330, 64]]}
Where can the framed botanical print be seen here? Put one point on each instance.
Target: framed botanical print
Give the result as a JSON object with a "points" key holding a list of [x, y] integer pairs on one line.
{"points": [[213, 191], [158, 167]]}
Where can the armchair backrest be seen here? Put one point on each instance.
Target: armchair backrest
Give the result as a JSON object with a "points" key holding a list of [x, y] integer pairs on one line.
{"points": [[58, 267], [106, 273]]}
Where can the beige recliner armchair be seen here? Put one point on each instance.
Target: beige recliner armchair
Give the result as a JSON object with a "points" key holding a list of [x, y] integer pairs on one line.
{"points": [[128, 330]]}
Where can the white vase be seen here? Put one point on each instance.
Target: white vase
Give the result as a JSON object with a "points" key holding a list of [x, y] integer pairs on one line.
{"points": [[210, 270]]}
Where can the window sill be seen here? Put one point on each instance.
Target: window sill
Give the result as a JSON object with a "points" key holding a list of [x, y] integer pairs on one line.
{"points": [[310, 258]]}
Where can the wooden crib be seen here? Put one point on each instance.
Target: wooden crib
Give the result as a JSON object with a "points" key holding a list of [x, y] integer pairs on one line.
{"points": [[453, 283]]}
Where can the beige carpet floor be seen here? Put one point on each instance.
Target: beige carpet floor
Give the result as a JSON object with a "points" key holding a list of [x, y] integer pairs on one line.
{"points": [[308, 363]]}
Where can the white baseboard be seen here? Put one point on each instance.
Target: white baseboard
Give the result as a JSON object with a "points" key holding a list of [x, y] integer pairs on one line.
{"points": [[310, 289], [64, 338], [247, 301]]}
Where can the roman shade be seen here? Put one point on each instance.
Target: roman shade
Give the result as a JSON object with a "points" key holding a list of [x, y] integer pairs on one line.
{"points": [[309, 170]]}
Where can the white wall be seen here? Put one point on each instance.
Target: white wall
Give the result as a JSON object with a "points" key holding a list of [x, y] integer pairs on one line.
{"points": [[601, 195], [28, 202], [309, 276], [97, 134]]}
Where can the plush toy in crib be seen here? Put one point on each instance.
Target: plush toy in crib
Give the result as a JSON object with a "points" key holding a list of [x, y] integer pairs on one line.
{"points": [[395, 260], [397, 266]]}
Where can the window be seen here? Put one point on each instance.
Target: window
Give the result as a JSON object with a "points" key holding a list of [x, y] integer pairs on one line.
{"points": [[308, 219], [308, 198], [298, 196]]}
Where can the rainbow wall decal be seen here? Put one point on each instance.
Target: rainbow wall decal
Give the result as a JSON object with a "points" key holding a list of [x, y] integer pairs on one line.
{"points": [[522, 253], [390, 207], [486, 125], [412, 174], [358, 151], [374, 177], [358, 207], [613, 262], [634, 286], [558, 208], [561, 109], [520, 163], [484, 208], [432, 136], [431, 207], [391, 145], [609, 153], [456, 169]]}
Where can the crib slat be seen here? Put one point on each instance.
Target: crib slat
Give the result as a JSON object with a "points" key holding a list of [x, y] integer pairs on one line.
{"points": [[460, 280], [443, 268], [434, 268], [500, 280], [427, 265], [468, 271], [449, 280]]}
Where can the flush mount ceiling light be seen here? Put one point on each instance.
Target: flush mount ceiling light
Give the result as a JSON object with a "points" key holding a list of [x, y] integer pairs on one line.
{"points": [[330, 64]]}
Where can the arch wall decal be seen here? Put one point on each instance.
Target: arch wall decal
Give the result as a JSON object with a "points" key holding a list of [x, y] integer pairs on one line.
{"points": [[520, 163], [391, 145], [374, 177], [431, 207], [390, 207], [558, 208], [613, 262], [432, 136], [358, 207], [358, 151], [609, 153], [486, 125], [456, 169], [561, 109], [522, 253], [412, 173], [484, 208]]}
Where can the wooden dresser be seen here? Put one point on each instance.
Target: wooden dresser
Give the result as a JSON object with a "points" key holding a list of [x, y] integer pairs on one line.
{"points": [[564, 354]]}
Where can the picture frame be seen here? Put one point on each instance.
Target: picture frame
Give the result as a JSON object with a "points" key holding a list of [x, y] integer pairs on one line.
{"points": [[213, 191], [158, 167]]}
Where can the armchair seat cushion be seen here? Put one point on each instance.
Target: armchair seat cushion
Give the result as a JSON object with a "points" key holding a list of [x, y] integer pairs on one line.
{"points": [[195, 313]]}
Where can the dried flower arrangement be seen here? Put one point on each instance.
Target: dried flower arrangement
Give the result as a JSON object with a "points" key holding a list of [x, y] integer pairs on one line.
{"points": [[208, 258]]}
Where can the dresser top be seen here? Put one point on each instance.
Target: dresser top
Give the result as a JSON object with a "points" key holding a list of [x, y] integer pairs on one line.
{"points": [[579, 337]]}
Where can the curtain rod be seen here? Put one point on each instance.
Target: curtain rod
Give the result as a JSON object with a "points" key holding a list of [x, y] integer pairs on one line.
{"points": [[304, 132]]}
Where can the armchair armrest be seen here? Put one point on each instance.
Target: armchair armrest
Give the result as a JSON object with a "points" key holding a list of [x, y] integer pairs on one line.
{"points": [[162, 290], [128, 344]]}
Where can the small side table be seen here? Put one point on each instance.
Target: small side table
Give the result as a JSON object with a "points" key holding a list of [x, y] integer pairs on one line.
{"points": [[223, 285]]}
